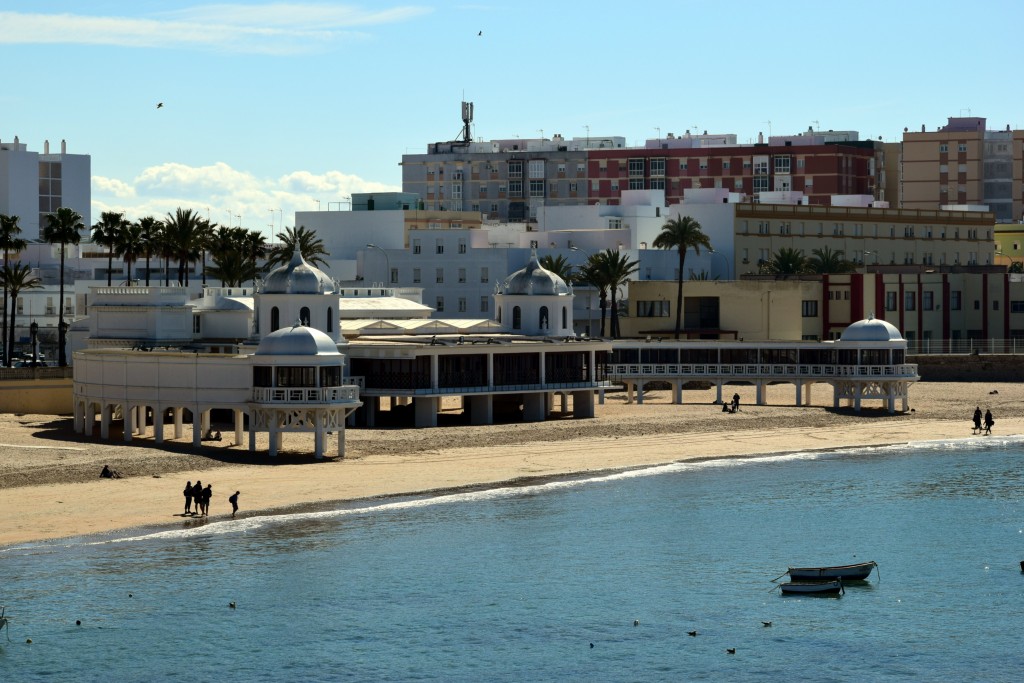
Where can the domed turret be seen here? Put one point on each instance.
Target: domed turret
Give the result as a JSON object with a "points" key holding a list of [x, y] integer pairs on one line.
{"points": [[297, 341], [871, 330], [534, 279], [298, 277]]}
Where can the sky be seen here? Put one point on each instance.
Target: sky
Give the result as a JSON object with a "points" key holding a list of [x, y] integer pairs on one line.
{"points": [[275, 107]]}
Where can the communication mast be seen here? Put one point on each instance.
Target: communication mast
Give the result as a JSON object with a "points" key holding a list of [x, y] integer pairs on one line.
{"points": [[467, 120]]}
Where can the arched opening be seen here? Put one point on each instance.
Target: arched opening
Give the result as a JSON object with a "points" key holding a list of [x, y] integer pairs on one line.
{"points": [[330, 320], [304, 315], [499, 315], [517, 318], [542, 321], [275, 319], [565, 317]]}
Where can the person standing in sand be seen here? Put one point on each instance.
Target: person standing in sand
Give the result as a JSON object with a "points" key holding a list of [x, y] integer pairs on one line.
{"points": [[197, 497], [234, 503], [207, 496], [988, 422], [188, 498], [977, 419]]}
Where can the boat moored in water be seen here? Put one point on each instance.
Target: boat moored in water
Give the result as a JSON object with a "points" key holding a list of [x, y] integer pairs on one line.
{"points": [[846, 572], [813, 587]]}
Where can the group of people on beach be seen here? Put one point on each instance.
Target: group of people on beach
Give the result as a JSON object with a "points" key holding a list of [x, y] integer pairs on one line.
{"points": [[196, 495], [987, 421], [732, 407]]}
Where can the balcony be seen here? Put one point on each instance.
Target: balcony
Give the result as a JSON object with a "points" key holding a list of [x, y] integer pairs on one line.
{"points": [[305, 395]]}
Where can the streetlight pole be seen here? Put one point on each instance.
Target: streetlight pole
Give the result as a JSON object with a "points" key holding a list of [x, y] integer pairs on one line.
{"points": [[387, 261], [728, 269], [590, 295]]}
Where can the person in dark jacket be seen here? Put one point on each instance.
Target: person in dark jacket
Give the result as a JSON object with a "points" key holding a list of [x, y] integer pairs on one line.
{"points": [[233, 499], [188, 498], [988, 422]]}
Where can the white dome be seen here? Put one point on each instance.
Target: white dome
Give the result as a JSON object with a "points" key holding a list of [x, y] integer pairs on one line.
{"points": [[534, 279], [298, 277], [297, 341], [871, 330]]}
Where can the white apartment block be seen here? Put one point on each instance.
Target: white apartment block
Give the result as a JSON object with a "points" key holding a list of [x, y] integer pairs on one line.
{"points": [[34, 184]]}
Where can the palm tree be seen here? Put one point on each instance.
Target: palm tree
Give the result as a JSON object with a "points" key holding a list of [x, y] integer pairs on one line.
{"points": [[17, 278], [256, 248], [63, 228], [104, 233], [129, 245], [591, 275], [825, 260], [613, 269], [309, 245], [559, 265], [788, 261], [182, 231], [204, 241], [229, 250], [150, 229], [681, 233], [9, 241]]}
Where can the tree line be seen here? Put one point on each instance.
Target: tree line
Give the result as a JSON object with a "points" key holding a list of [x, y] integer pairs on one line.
{"points": [[229, 254]]}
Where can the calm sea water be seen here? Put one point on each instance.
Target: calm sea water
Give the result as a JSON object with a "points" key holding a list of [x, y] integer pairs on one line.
{"points": [[516, 584]]}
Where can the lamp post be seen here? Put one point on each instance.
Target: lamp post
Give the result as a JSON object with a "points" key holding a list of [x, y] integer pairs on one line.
{"points": [[33, 330], [590, 295], [728, 268], [387, 261]]}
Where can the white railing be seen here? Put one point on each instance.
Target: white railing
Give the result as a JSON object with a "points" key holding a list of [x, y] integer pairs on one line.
{"points": [[305, 394], [965, 346], [741, 371]]}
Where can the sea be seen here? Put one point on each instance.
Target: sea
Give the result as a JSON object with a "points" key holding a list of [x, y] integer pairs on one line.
{"points": [[656, 574]]}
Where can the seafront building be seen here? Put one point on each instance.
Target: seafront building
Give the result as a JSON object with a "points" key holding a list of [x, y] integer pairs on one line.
{"points": [[34, 184]]}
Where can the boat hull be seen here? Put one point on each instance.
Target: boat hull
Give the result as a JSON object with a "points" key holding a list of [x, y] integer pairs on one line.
{"points": [[815, 588], [846, 572]]}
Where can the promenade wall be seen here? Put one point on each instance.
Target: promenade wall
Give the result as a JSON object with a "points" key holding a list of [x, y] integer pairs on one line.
{"points": [[969, 367], [40, 391]]}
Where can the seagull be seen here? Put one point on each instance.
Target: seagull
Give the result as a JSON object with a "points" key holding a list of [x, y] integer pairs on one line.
{"points": [[767, 623], [159, 105], [480, 33], [691, 633], [636, 622], [730, 650]]}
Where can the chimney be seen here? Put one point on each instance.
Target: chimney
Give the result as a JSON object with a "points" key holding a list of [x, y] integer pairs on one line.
{"points": [[760, 138], [46, 147], [63, 146], [922, 127]]}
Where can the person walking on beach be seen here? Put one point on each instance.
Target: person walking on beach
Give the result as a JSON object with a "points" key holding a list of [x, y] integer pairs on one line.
{"points": [[977, 420], [988, 422], [234, 503], [188, 498]]}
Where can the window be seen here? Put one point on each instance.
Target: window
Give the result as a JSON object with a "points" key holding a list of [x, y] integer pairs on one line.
{"points": [[636, 168], [995, 304], [485, 303], [928, 301], [304, 315], [275, 319], [636, 183], [439, 246], [462, 275], [1017, 307], [462, 245], [977, 305], [943, 148], [961, 147], [809, 308], [517, 318], [536, 188], [909, 301], [415, 276], [196, 324], [484, 276], [439, 276], [542, 318], [537, 168], [782, 164], [890, 301], [561, 169], [330, 320], [760, 165], [657, 167], [572, 188], [515, 169], [515, 188], [761, 184], [440, 304], [416, 246], [657, 184], [462, 304], [394, 276], [652, 309]]}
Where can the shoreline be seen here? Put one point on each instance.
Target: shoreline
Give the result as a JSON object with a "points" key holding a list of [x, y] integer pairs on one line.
{"points": [[83, 510], [50, 474]]}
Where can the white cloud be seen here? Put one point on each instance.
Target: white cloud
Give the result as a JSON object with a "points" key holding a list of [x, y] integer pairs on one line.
{"points": [[281, 28], [227, 195]]}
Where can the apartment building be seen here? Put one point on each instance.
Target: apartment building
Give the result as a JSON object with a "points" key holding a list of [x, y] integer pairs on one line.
{"points": [[514, 180], [34, 184], [963, 163]]}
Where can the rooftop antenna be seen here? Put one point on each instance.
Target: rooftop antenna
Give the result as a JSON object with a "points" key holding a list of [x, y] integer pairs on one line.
{"points": [[467, 120]]}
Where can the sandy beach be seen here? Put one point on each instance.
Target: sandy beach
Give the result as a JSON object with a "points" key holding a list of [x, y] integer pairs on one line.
{"points": [[52, 489]]}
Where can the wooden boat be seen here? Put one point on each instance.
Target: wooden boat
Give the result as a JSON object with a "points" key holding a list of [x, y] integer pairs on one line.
{"points": [[813, 587], [846, 572]]}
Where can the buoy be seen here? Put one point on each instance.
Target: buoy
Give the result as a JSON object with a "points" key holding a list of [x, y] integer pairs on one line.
{"points": [[28, 640], [636, 622], [78, 622], [231, 605], [130, 595]]}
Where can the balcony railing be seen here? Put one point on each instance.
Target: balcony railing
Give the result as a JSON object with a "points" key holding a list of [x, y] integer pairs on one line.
{"points": [[759, 371], [965, 346], [305, 394]]}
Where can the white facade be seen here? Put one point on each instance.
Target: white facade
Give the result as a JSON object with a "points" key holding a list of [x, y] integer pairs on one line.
{"points": [[33, 184]]}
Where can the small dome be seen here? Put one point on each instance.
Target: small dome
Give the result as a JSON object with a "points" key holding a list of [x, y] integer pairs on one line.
{"points": [[534, 279], [871, 330], [298, 277], [297, 341]]}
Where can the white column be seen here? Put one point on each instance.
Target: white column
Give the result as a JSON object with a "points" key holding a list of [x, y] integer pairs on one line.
{"points": [[434, 380], [799, 391], [318, 435], [341, 441], [197, 426], [718, 392], [90, 418], [129, 422], [239, 424], [158, 424], [582, 404], [178, 413], [105, 411]]}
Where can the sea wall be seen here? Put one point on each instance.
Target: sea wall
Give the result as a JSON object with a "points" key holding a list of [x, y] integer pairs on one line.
{"points": [[41, 391], [969, 367]]}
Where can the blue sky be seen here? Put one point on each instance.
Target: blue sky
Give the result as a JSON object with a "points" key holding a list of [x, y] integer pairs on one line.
{"points": [[271, 106]]}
